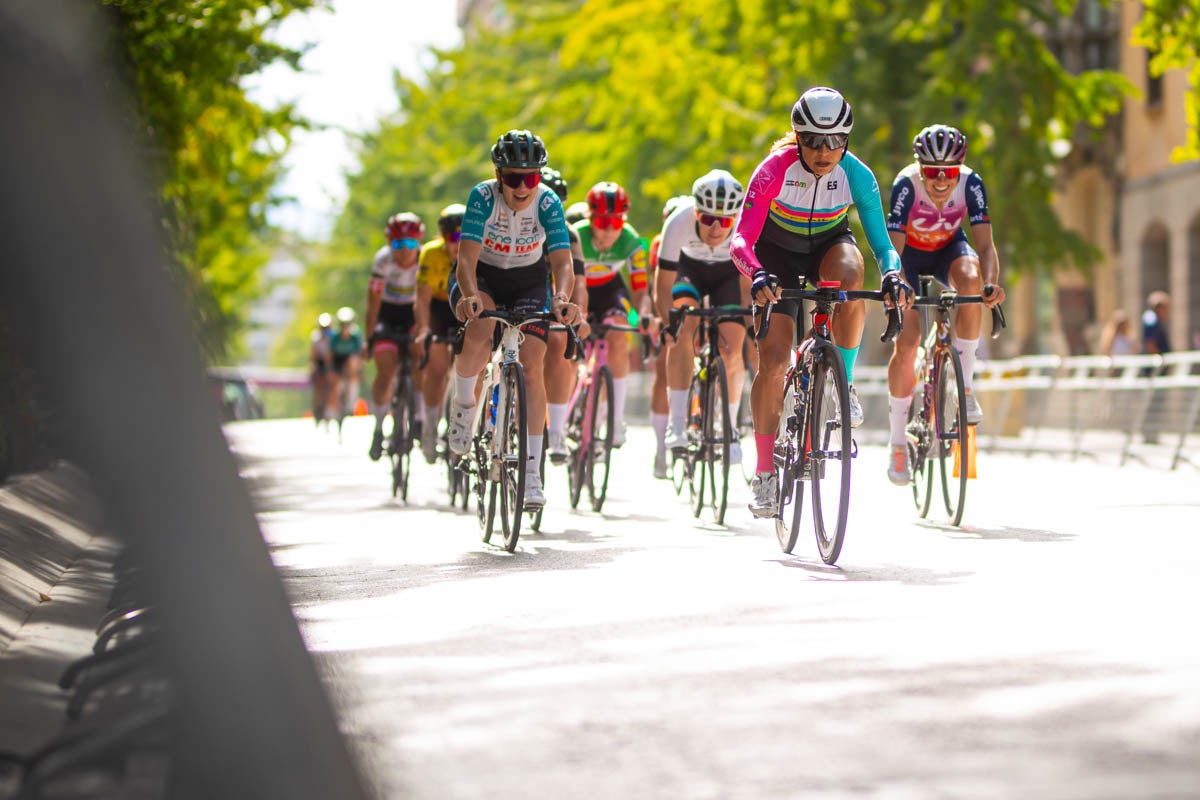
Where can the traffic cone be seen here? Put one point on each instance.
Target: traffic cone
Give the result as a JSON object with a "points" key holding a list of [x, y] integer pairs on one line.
{"points": [[972, 452], [360, 407]]}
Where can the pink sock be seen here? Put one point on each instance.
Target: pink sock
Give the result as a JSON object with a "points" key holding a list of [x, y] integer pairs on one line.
{"points": [[766, 451]]}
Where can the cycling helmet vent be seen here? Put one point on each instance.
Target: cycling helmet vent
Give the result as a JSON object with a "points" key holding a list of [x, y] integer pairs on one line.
{"points": [[519, 150], [822, 110], [718, 193], [940, 144]]}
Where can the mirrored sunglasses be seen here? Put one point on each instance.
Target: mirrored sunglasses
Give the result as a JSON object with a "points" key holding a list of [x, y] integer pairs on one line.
{"points": [[514, 180], [935, 172], [606, 221], [830, 141], [405, 244], [712, 219]]}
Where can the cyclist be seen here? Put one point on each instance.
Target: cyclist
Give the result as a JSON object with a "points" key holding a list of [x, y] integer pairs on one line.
{"points": [[390, 316], [434, 317], [931, 199], [345, 349], [502, 264], [560, 373], [795, 225], [659, 410], [694, 264], [611, 249], [318, 364]]}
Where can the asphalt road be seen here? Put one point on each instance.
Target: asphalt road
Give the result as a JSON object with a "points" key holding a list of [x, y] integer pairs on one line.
{"points": [[1047, 649]]}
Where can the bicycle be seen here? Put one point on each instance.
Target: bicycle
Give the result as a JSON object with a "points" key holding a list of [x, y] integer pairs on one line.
{"points": [[496, 458], [815, 443], [590, 419], [937, 418], [705, 462]]}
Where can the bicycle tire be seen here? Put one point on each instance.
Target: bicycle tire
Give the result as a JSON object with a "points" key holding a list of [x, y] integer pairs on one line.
{"points": [[511, 428], [787, 468], [599, 455], [717, 436], [400, 447], [694, 464], [920, 440], [535, 522], [832, 448], [951, 405], [479, 460], [575, 447]]}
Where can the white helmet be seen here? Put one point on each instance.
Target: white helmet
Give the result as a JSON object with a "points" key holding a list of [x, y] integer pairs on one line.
{"points": [[576, 212], [346, 315], [718, 193], [325, 320], [822, 110], [675, 203]]}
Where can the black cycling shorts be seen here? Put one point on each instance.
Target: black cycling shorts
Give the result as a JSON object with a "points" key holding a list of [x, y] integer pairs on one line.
{"points": [[604, 301], [791, 267], [517, 290], [719, 281], [937, 263]]}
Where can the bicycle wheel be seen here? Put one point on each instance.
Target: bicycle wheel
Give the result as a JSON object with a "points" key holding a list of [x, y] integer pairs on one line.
{"points": [[576, 457], [788, 455], [510, 433], [400, 446], [477, 461], [951, 416], [536, 522], [832, 443], [919, 434], [745, 429], [717, 434], [599, 453], [694, 465]]}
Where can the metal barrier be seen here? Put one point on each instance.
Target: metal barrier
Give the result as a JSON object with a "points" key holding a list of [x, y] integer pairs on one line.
{"points": [[1136, 406]]}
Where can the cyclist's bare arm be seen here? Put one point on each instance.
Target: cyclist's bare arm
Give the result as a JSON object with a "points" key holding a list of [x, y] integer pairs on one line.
{"points": [[989, 262], [898, 241], [468, 258], [421, 307], [374, 299]]}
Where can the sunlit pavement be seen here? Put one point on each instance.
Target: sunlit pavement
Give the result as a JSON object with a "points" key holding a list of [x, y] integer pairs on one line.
{"points": [[1047, 649]]}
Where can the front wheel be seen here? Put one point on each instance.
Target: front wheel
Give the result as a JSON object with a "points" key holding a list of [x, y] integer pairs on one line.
{"points": [[922, 449], [400, 446], [694, 464], [599, 454], [511, 436], [832, 450], [951, 403], [788, 460], [718, 432]]}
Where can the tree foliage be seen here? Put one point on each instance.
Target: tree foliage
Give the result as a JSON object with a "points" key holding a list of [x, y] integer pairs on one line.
{"points": [[1171, 30], [653, 93], [216, 153]]}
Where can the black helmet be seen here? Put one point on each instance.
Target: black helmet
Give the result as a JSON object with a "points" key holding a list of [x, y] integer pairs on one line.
{"points": [[553, 179], [519, 150], [451, 218]]}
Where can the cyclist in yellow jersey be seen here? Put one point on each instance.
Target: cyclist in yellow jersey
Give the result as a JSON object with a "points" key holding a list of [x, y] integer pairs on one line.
{"points": [[435, 317]]}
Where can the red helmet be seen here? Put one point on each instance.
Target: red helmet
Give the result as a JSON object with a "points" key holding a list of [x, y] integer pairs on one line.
{"points": [[405, 226], [607, 198]]}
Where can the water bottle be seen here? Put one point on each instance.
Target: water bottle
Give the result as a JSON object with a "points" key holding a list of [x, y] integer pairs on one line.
{"points": [[631, 314], [492, 405]]}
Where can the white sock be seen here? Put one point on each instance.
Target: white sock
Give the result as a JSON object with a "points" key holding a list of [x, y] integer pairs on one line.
{"points": [[558, 417], [966, 354], [620, 386], [420, 412], [433, 412], [898, 419], [381, 412], [464, 390], [677, 402], [659, 422], [533, 447], [734, 407]]}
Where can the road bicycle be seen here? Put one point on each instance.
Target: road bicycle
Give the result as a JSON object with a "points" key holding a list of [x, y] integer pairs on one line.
{"points": [[590, 419], [704, 464], [496, 459], [936, 430], [404, 415], [815, 442]]}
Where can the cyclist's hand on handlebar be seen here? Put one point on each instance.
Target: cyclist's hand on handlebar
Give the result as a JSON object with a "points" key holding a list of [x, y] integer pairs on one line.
{"points": [[993, 295], [469, 307], [896, 288], [564, 310], [764, 288], [583, 329]]}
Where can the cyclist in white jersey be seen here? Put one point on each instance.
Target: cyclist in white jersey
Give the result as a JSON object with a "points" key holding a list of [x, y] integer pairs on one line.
{"points": [[694, 264], [501, 264]]}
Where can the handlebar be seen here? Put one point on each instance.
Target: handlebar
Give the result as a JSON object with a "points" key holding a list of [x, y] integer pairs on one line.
{"points": [[950, 299], [677, 315], [832, 294]]}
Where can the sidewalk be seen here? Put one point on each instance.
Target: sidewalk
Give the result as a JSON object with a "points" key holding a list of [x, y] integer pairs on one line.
{"points": [[55, 579]]}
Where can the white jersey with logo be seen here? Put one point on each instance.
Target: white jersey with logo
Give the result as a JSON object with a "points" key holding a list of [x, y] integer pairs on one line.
{"points": [[399, 285], [512, 239], [681, 236]]}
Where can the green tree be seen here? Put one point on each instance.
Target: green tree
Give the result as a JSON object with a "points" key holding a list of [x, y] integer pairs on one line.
{"points": [[1170, 29], [216, 153]]}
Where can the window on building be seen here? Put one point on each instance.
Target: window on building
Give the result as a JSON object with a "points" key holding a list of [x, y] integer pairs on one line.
{"points": [[1154, 87]]}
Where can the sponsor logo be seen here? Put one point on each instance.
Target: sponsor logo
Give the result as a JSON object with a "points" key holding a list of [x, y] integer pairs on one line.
{"points": [[794, 182], [548, 199], [832, 186], [898, 206], [977, 190]]}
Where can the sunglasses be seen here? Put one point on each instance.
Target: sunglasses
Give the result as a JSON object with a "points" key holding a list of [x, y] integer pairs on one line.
{"points": [[933, 173], [405, 244], [713, 219], [830, 141], [606, 221], [453, 237], [514, 180]]}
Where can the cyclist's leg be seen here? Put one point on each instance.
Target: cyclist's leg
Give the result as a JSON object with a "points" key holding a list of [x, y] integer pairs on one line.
{"points": [[533, 358], [416, 352], [684, 294], [965, 277], [844, 262], [659, 409], [560, 380], [386, 355], [476, 349], [333, 397], [732, 289]]}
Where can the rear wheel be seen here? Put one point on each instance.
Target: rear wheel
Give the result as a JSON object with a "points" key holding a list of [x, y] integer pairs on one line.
{"points": [[717, 433], [511, 430], [599, 453], [832, 443], [787, 470], [951, 404]]}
